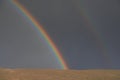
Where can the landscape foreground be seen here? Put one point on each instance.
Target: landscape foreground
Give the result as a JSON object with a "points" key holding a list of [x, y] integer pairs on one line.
{"points": [[39, 74]]}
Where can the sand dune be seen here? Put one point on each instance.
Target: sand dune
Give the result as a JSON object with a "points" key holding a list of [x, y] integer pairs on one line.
{"points": [[38, 74]]}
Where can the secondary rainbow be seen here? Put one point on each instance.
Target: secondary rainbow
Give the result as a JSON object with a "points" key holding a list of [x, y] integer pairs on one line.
{"points": [[23, 11], [92, 27]]}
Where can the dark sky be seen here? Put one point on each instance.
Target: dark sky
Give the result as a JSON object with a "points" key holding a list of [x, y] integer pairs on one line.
{"points": [[85, 31]]}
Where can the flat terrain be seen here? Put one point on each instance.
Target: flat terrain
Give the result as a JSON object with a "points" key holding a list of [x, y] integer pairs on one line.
{"points": [[38, 74]]}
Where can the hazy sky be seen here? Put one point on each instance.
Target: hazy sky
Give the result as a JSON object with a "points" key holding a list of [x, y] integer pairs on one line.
{"points": [[85, 31]]}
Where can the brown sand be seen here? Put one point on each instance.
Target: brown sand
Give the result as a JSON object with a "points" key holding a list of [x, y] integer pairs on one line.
{"points": [[38, 74]]}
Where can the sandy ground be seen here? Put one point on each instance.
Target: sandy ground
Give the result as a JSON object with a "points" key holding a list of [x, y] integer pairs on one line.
{"points": [[38, 74]]}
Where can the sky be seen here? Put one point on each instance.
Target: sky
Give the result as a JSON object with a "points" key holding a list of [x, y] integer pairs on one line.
{"points": [[85, 31]]}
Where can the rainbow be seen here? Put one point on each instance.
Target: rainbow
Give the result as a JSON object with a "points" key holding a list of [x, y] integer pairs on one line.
{"points": [[24, 12], [91, 26]]}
